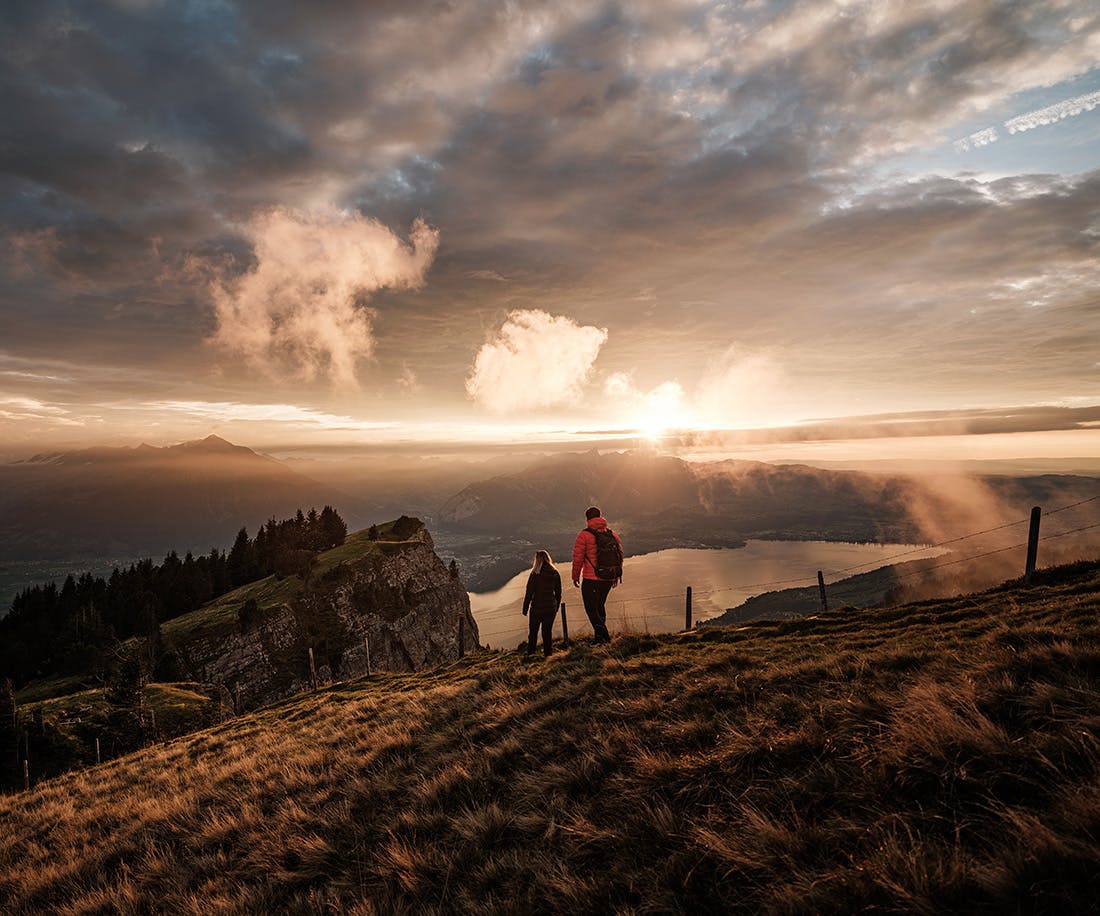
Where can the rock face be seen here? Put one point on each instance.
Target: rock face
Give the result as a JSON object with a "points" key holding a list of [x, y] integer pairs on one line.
{"points": [[397, 601]]}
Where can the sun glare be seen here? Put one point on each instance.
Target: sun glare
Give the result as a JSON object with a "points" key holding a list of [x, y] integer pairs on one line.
{"points": [[663, 410]]}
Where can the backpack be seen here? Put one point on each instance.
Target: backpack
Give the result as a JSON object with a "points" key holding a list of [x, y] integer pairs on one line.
{"points": [[609, 555]]}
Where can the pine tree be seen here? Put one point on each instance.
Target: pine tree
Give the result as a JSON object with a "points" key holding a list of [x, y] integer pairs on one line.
{"points": [[238, 559], [335, 528], [127, 676]]}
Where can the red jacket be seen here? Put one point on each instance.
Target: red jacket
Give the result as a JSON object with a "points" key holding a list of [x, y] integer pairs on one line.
{"points": [[584, 550]]}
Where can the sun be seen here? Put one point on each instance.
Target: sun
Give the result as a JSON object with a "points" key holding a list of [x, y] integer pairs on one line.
{"points": [[663, 409]]}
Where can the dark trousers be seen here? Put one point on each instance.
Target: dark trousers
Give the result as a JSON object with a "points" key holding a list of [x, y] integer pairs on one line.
{"points": [[543, 618], [594, 594]]}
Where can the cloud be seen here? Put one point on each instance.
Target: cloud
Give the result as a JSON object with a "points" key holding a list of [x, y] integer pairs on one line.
{"points": [[234, 411], [662, 407], [19, 408], [679, 172], [745, 388], [486, 275], [978, 139], [739, 388], [302, 305], [1040, 117], [409, 381], [534, 360]]}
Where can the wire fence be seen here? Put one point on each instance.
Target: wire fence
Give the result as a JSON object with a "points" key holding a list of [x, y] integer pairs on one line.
{"points": [[811, 577]]}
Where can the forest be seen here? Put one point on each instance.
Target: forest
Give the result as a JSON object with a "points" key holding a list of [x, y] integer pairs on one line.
{"points": [[76, 628]]}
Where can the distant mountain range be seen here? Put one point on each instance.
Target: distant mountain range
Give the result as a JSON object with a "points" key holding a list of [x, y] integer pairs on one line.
{"points": [[109, 504], [658, 502], [654, 496], [145, 500]]}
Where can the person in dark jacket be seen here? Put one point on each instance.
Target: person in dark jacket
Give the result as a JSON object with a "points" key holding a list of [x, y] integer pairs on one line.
{"points": [[542, 599]]}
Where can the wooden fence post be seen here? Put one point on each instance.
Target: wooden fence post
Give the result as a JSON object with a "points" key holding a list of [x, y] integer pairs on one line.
{"points": [[312, 669], [366, 648], [564, 625], [97, 758], [1032, 543], [821, 587], [462, 636], [26, 775], [687, 610]]}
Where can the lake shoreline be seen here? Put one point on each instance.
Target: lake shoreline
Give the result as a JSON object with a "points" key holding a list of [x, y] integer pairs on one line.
{"points": [[652, 596]]}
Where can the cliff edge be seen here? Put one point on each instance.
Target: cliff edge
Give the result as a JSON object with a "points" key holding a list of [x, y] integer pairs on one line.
{"points": [[383, 591]]}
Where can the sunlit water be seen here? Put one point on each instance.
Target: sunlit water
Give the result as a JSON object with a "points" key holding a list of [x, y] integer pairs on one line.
{"points": [[651, 597]]}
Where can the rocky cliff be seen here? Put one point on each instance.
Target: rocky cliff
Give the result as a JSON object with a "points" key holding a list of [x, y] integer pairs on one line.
{"points": [[390, 596]]}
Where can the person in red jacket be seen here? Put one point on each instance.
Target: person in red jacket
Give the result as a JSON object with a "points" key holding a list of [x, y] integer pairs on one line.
{"points": [[595, 589]]}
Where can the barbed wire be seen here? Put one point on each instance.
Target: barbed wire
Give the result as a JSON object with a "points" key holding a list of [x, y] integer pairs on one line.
{"points": [[1071, 505]]}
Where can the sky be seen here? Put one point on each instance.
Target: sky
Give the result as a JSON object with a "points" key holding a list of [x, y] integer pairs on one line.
{"points": [[338, 222]]}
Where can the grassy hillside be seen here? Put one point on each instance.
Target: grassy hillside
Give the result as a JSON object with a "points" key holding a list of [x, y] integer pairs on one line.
{"points": [[943, 756]]}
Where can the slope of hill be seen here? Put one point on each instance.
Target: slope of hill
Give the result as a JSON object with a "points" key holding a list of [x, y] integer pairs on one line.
{"points": [[938, 757], [144, 501]]}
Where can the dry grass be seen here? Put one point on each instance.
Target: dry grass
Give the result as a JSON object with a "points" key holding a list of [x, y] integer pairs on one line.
{"points": [[938, 757]]}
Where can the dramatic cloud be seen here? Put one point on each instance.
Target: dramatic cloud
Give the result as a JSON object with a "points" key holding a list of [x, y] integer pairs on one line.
{"points": [[303, 304], [684, 173], [534, 360]]}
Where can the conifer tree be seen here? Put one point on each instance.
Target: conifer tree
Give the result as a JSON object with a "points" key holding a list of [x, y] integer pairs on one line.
{"points": [[238, 559]]}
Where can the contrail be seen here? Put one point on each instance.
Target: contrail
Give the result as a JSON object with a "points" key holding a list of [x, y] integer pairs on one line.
{"points": [[1069, 108], [979, 138]]}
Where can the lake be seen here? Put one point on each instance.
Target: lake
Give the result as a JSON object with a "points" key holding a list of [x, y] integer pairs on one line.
{"points": [[651, 597]]}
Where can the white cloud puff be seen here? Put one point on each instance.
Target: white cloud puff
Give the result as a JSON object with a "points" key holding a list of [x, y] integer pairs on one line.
{"points": [[302, 306], [534, 360]]}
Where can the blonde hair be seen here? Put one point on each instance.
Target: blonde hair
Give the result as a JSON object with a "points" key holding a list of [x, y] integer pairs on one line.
{"points": [[541, 558]]}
